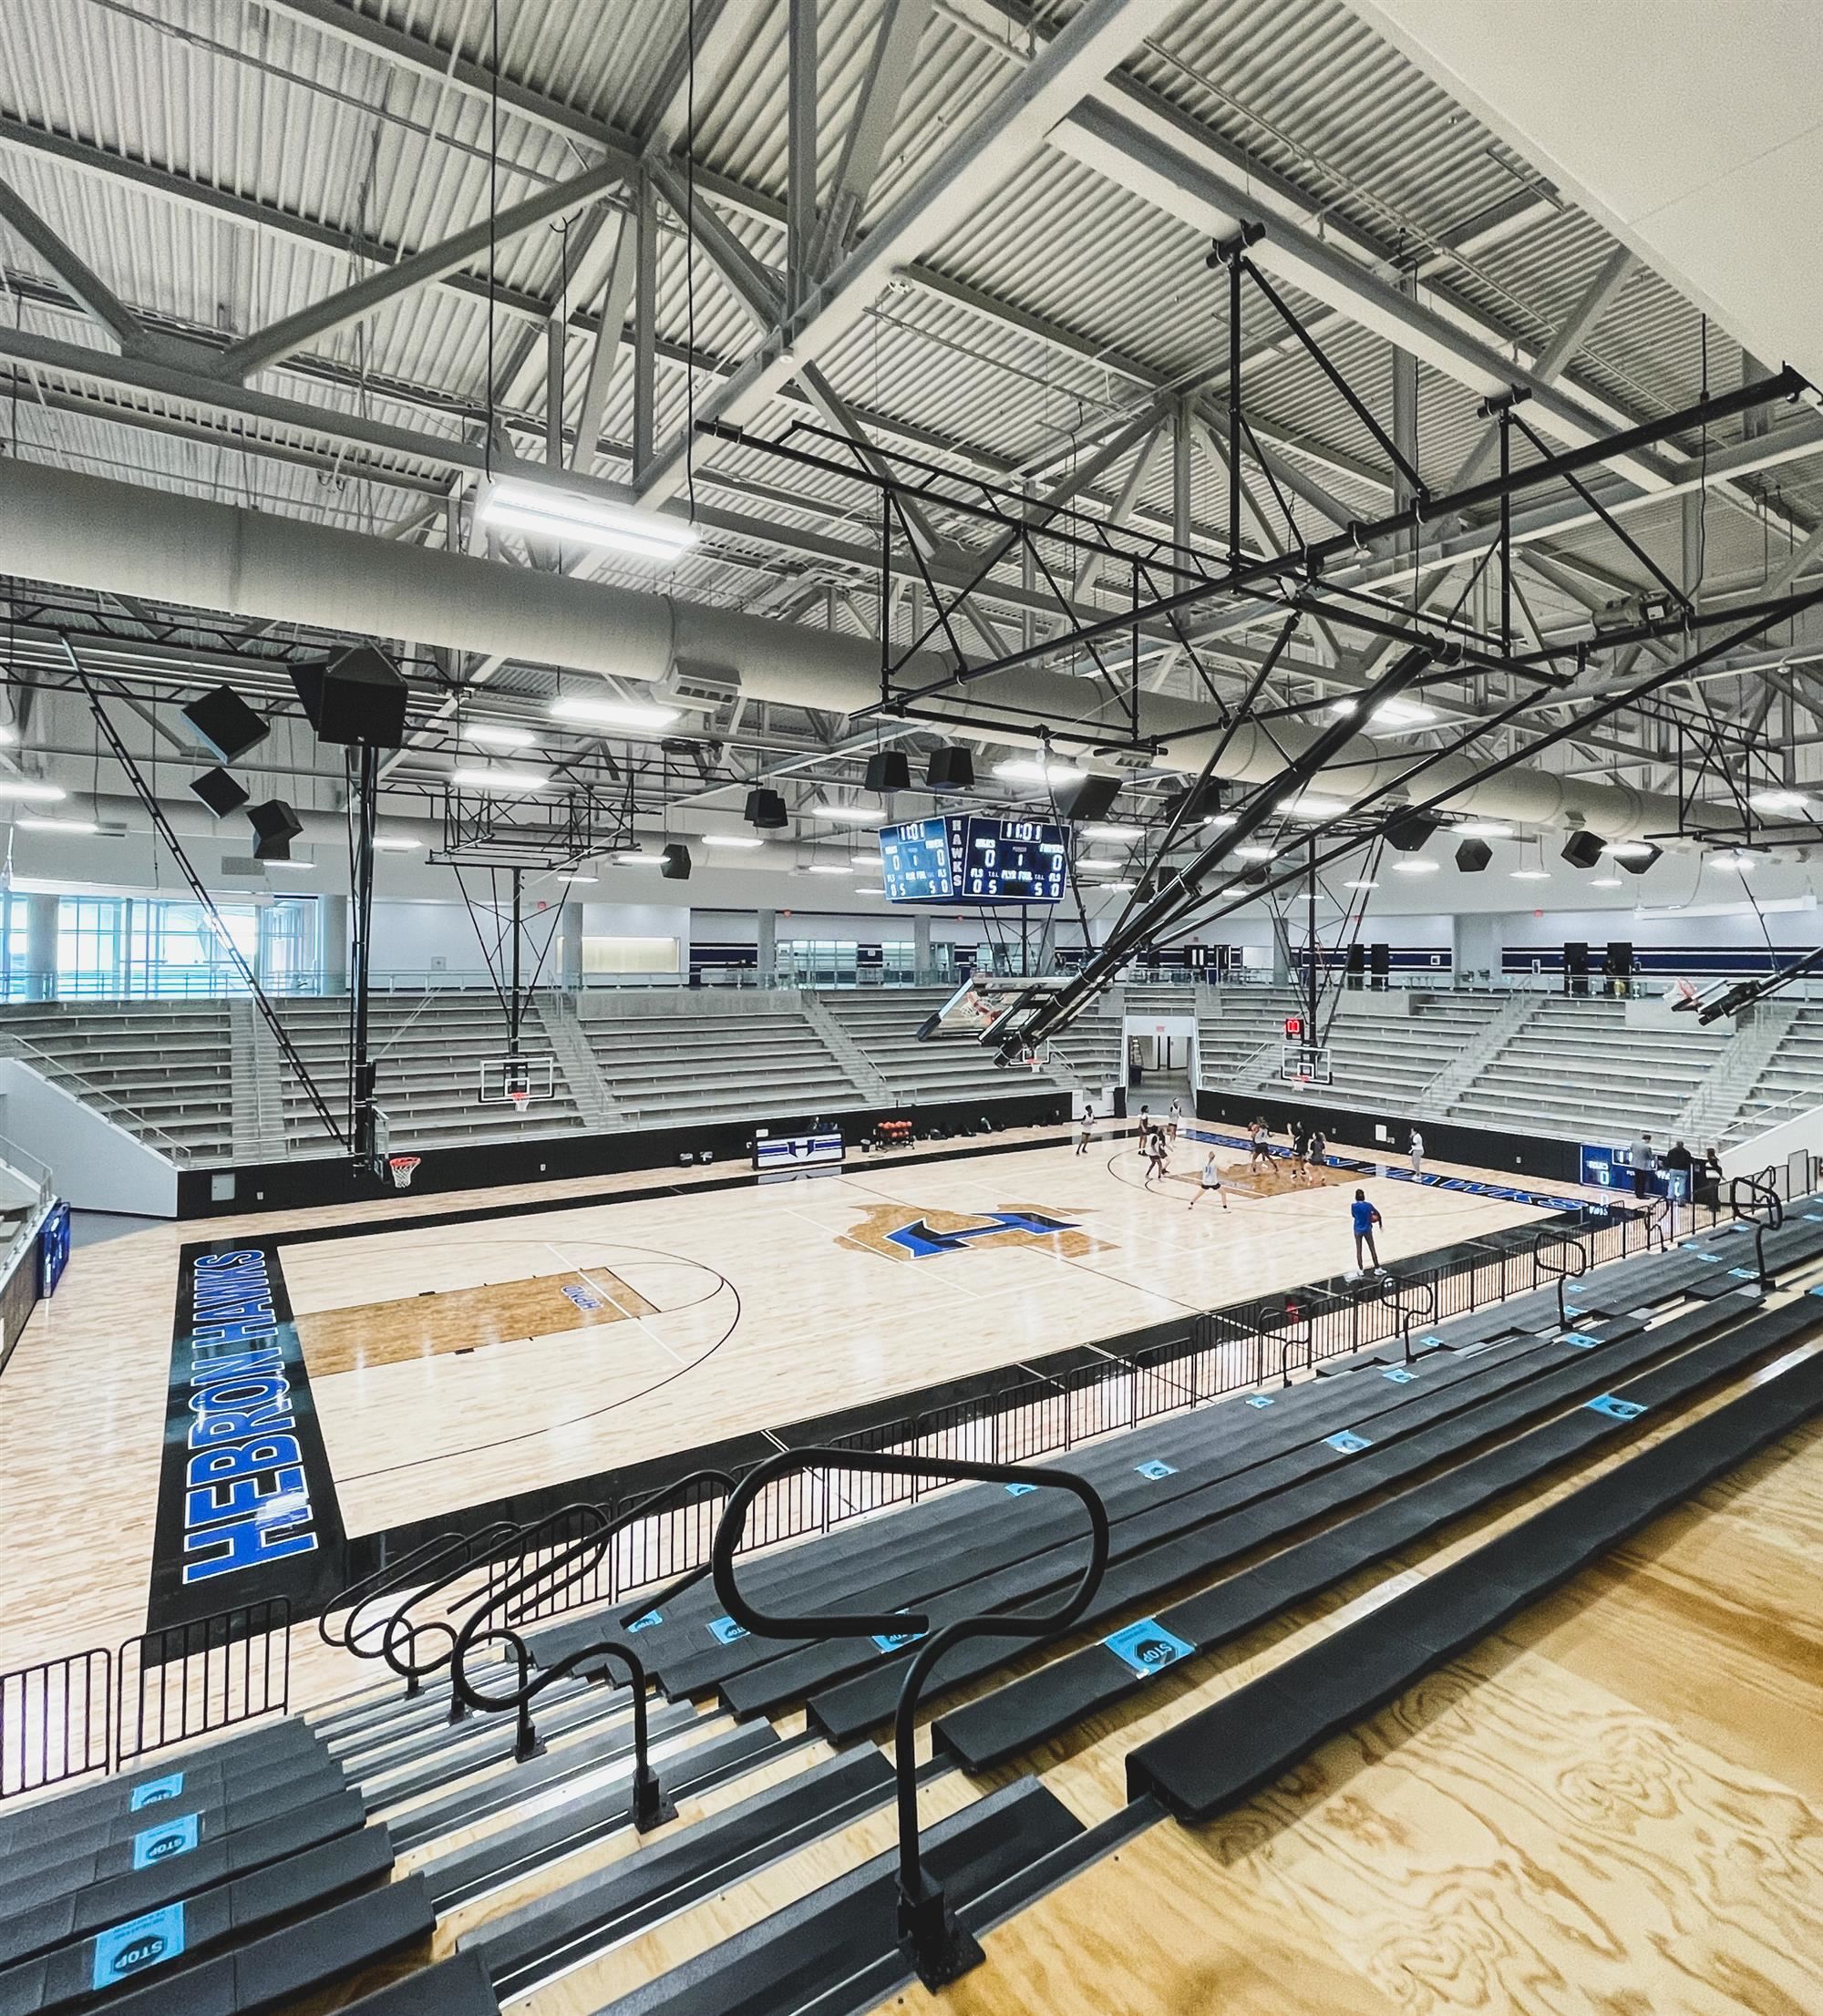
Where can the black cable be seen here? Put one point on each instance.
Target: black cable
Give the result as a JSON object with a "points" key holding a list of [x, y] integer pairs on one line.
{"points": [[689, 268]]}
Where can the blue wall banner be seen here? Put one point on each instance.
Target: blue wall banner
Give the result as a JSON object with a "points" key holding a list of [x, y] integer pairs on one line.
{"points": [[247, 1507]]}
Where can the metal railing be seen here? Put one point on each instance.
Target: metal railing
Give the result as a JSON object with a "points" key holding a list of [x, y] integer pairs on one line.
{"points": [[932, 1936], [56, 1720]]}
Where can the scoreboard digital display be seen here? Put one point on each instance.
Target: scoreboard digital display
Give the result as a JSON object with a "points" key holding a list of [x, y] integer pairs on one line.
{"points": [[962, 859]]}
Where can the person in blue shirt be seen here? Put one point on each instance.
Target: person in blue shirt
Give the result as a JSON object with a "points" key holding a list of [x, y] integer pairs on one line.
{"points": [[1366, 1219]]}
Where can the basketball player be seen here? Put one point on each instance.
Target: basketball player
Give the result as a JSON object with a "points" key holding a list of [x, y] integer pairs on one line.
{"points": [[1161, 1153], [1416, 1147], [1300, 1148], [1086, 1133], [1260, 1146], [1316, 1152], [1172, 1117], [1209, 1180], [1364, 1219]]}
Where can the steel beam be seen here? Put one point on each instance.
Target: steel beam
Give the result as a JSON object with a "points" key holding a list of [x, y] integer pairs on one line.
{"points": [[88, 287], [870, 123], [615, 302], [800, 169]]}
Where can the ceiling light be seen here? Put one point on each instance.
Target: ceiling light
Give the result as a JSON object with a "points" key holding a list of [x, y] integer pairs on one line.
{"points": [[864, 861], [1311, 806], [1101, 860], [611, 713], [1361, 885], [295, 868], [582, 877], [826, 868], [1414, 867], [1222, 818], [637, 859], [1530, 875], [1606, 881], [1028, 770], [732, 840], [30, 825], [496, 734], [1742, 864], [586, 521], [1117, 889], [1254, 853], [1112, 832], [1389, 713], [1778, 801], [395, 843], [489, 777], [855, 814], [870, 893], [28, 793], [1484, 829], [9, 735], [1629, 850]]}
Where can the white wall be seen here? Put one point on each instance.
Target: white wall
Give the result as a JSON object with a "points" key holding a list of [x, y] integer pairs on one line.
{"points": [[95, 1164]]}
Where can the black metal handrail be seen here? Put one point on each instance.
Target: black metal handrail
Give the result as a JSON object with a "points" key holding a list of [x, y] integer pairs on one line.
{"points": [[1407, 1299], [1755, 1200], [1297, 1313], [427, 1558], [400, 1641], [939, 1946], [1659, 1220], [528, 1589], [1544, 1267]]}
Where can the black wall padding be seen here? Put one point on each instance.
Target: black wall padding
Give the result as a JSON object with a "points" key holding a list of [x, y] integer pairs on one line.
{"points": [[1213, 1761], [1090, 1681]]}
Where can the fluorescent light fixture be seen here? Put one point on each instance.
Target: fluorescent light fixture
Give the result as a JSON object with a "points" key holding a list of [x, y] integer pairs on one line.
{"points": [[29, 825], [580, 520], [870, 893], [1311, 806], [1361, 885], [1101, 861], [853, 815], [826, 868], [578, 878], [1389, 713], [9, 735], [1628, 850], [1028, 770], [611, 713], [1114, 832], [1252, 853], [496, 734], [1115, 889], [1606, 881], [1742, 864], [1222, 818], [27, 793], [1778, 801], [490, 778], [1530, 875], [732, 840], [636, 859], [395, 843], [865, 860], [1415, 868], [1483, 830], [293, 867]]}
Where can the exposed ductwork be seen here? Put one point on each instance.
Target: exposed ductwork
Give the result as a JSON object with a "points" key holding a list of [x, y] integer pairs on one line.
{"points": [[84, 531]]}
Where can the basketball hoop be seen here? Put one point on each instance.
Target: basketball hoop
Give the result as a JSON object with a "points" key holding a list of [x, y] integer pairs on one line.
{"points": [[521, 1098], [403, 1167]]}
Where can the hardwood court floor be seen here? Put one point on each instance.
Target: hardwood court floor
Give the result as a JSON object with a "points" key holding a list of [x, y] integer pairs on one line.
{"points": [[455, 1364], [82, 1404]]}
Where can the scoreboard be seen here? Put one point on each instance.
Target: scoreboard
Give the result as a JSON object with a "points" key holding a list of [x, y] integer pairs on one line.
{"points": [[960, 858]]}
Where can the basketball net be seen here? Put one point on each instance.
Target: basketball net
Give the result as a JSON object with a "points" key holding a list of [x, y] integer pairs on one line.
{"points": [[403, 1167], [520, 1101]]}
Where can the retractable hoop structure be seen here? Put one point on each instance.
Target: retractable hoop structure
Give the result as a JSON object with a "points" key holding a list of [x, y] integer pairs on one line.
{"points": [[932, 1936]]}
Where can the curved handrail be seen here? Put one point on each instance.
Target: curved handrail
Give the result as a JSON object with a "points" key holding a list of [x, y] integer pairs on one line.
{"points": [[650, 1806], [403, 1633], [1289, 1343], [1658, 1216], [1391, 1289], [939, 1945], [445, 1556], [1542, 1267], [1756, 1198]]}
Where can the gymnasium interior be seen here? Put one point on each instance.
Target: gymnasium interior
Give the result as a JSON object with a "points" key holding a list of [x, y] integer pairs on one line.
{"points": [[1198, 1391]]}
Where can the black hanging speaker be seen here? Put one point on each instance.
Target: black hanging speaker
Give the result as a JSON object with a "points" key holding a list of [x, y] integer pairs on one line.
{"points": [[1473, 856], [888, 770], [218, 792], [676, 866], [1093, 799], [276, 826], [1200, 801], [1637, 864], [1582, 849], [1380, 956], [358, 696], [766, 808], [225, 725], [952, 768], [1410, 831]]}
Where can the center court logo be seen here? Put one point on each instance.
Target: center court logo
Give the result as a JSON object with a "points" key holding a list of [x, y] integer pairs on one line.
{"points": [[900, 1232]]}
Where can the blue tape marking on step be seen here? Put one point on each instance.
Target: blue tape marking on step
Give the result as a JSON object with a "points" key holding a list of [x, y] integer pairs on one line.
{"points": [[154, 1790], [1148, 1648], [1348, 1441], [1620, 1410], [163, 1844], [1401, 1375], [1155, 1469], [725, 1631], [123, 1951], [1020, 1490], [1265, 1399]]}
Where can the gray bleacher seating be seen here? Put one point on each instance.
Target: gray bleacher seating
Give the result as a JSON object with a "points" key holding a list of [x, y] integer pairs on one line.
{"points": [[746, 1059], [162, 1069]]}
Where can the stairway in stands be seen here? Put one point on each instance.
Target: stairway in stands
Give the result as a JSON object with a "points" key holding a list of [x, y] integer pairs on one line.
{"points": [[377, 1855]]}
